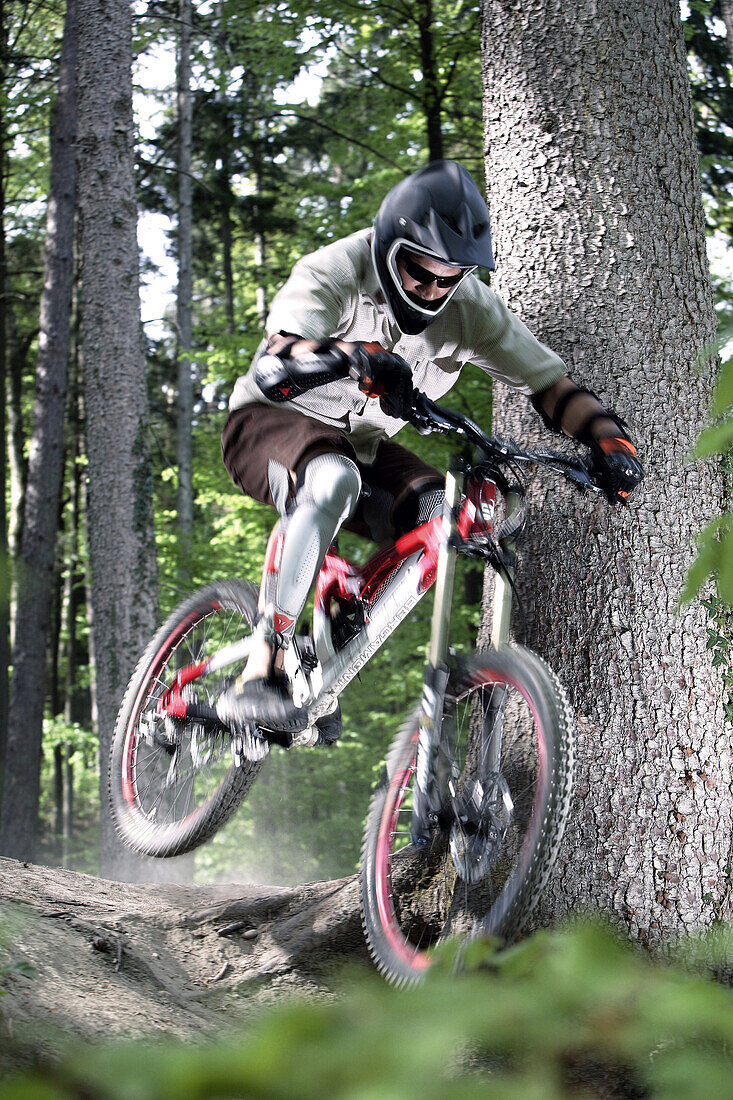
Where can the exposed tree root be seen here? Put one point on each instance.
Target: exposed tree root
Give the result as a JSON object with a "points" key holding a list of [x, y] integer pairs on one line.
{"points": [[112, 958]]}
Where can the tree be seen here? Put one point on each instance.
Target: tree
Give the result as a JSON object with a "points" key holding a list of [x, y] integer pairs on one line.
{"points": [[4, 556], [120, 524], [726, 10], [18, 820], [595, 199], [185, 191], [421, 60], [712, 99]]}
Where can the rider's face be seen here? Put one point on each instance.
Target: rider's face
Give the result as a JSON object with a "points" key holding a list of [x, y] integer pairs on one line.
{"points": [[408, 264]]}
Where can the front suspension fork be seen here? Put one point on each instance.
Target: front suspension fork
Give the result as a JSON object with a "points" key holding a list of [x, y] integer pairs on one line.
{"points": [[431, 779], [433, 766]]}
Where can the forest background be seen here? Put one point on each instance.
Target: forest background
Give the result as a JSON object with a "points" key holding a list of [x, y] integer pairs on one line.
{"points": [[303, 117]]}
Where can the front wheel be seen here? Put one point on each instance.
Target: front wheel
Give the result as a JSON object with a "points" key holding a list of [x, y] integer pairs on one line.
{"points": [[174, 782], [507, 754]]}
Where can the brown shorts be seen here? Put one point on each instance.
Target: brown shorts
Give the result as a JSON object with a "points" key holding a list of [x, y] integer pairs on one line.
{"points": [[256, 433]]}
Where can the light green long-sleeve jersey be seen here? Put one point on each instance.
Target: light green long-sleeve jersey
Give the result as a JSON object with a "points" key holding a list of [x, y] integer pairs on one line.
{"points": [[334, 293]]}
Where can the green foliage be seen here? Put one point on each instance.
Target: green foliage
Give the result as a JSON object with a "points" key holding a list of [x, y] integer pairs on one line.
{"points": [[712, 101], [715, 543], [720, 640], [69, 747], [574, 1012]]}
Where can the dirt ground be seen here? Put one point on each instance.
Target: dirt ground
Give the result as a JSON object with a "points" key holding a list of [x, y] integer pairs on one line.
{"points": [[112, 959]]}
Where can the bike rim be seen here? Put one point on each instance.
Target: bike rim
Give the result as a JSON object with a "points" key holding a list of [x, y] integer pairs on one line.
{"points": [[143, 769], [413, 950]]}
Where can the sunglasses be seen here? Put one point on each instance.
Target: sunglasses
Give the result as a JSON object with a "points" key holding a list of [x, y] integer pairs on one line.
{"points": [[424, 277]]}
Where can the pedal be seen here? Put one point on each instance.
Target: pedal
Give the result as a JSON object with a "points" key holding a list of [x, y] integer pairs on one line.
{"points": [[248, 747]]}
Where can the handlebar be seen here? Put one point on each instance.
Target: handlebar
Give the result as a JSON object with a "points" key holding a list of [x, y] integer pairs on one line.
{"points": [[427, 418]]}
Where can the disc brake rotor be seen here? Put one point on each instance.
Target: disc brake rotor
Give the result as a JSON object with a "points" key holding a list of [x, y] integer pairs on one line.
{"points": [[482, 818]]}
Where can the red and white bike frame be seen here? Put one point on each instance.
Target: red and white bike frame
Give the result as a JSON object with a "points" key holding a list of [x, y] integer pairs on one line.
{"points": [[388, 586]]}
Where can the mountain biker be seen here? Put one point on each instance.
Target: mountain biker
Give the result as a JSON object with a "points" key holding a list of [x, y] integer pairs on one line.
{"points": [[358, 324]]}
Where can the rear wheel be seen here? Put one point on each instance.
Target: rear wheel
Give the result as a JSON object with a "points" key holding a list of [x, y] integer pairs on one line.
{"points": [[174, 782], [506, 725]]}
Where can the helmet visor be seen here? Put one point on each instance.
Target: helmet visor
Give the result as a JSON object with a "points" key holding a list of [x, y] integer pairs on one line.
{"points": [[404, 251]]}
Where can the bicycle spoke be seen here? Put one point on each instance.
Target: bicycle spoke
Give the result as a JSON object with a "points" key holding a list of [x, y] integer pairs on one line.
{"points": [[484, 843]]}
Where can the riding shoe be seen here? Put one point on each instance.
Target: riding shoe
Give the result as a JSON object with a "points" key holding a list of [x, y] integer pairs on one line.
{"points": [[264, 702], [329, 728]]}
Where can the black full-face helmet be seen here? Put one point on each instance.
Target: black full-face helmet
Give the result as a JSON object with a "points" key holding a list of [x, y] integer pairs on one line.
{"points": [[437, 212]]}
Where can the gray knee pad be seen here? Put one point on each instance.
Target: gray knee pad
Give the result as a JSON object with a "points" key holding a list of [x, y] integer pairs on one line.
{"points": [[326, 496], [333, 483]]}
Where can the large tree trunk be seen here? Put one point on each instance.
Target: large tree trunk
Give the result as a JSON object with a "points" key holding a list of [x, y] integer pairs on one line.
{"points": [[600, 243], [120, 521], [18, 819]]}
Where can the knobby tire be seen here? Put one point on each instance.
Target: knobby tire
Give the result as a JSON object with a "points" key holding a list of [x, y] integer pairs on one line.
{"points": [[160, 810], [412, 899]]}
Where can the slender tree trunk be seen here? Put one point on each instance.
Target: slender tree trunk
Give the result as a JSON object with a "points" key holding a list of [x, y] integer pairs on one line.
{"points": [[4, 556], [55, 686], [58, 800], [600, 242], [16, 353], [726, 10], [89, 604], [119, 515], [18, 364], [260, 255], [18, 817], [260, 240], [185, 285], [75, 709], [226, 233], [430, 82]]}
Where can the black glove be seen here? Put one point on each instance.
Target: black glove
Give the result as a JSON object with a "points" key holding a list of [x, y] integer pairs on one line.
{"points": [[616, 467], [384, 375]]}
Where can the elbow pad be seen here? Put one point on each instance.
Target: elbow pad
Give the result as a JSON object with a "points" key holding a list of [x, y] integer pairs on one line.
{"points": [[283, 377]]}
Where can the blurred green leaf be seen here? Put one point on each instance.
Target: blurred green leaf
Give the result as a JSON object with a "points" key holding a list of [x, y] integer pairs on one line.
{"points": [[577, 1011], [714, 440], [706, 562]]}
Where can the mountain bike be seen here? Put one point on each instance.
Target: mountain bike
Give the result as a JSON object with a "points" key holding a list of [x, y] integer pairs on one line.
{"points": [[462, 833]]}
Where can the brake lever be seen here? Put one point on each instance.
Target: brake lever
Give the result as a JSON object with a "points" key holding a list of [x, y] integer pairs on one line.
{"points": [[583, 480], [424, 420], [422, 426], [580, 476], [571, 468]]}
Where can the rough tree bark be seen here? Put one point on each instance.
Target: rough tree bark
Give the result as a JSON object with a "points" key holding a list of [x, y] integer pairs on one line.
{"points": [[35, 579], [600, 241], [119, 516]]}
